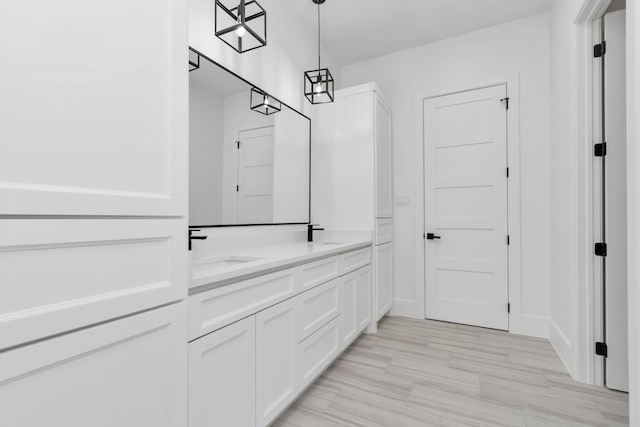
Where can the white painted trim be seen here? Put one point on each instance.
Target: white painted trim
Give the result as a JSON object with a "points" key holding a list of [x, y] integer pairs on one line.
{"points": [[561, 344], [583, 364], [519, 322]]}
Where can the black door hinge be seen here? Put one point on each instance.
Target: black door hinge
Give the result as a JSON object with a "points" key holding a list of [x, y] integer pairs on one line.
{"points": [[601, 249], [600, 49], [601, 349], [238, 144], [507, 172], [237, 188], [508, 240], [424, 235], [508, 307], [600, 150], [505, 100]]}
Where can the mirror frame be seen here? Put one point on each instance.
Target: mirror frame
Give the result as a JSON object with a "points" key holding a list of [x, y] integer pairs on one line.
{"points": [[251, 85]]}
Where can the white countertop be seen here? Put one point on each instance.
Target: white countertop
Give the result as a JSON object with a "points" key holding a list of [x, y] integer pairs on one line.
{"points": [[220, 268]]}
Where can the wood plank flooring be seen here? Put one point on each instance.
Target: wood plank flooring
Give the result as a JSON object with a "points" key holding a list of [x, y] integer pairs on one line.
{"points": [[426, 373]]}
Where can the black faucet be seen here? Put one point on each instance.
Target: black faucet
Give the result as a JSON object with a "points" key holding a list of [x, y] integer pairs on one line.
{"points": [[310, 230], [195, 237]]}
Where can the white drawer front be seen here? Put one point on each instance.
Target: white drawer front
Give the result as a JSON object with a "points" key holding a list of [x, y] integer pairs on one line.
{"points": [[318, 272], [318, 351], [384, 230], [318, 306], [356, 259], [213, 309], [58, 275]]}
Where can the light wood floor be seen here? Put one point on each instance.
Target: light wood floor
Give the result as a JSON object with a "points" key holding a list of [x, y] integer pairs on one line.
{"points": [[425, 373]]}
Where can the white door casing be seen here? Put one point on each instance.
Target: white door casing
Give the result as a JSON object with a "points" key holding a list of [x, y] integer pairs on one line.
{"points": [[466, 205], [615, 203], [255, 176]]}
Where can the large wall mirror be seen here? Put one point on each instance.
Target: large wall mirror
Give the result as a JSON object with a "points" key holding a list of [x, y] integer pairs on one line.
{"points": [[245, 167]]}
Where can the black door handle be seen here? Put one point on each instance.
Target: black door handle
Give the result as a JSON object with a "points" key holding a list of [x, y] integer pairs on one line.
{"points": [[431, 236]]}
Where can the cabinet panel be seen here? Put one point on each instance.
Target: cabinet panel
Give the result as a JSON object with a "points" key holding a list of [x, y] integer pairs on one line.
{"points": [[383, 231], [383, 261], [363, 303], [383, 177], [213, 309], [93, 124], [348, 323], [277, 360], [318, 351], [126, 373], [318, 306], [315, 273], [356, 259], [58, 275], [222, 377]]}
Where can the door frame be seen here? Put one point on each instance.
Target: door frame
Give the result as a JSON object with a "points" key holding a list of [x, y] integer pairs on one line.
{"points": [[519, 322], [588, 366]]}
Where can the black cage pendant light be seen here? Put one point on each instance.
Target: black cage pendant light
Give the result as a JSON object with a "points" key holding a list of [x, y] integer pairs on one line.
{"points": [[264, 103], [318, 84], [242, 26]]}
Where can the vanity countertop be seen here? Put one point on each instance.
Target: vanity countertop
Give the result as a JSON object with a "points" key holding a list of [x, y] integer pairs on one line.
{"points": [[224, 267]]}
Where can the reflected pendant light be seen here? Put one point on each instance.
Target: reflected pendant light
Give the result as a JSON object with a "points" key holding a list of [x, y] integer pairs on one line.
{"points": [[264, 103], [318, 84], [242, 26], [194, 61]]}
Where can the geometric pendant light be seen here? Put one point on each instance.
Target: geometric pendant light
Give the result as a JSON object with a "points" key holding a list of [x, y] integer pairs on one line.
{"points": [[264, 103], [242, 26], [318, 84]]}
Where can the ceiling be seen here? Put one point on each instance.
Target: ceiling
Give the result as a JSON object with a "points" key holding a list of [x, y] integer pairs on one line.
{"points": [[356, 30]]}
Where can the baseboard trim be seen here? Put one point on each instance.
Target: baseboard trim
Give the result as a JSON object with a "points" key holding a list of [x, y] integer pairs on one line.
{"points": [[407, 308], [532, 326], [562, 346]]}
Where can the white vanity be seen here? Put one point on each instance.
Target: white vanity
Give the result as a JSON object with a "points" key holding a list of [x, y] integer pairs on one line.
{"points": [[265, 322]]}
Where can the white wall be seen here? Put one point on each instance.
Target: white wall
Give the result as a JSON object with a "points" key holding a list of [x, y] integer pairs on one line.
{"points": [[633, 218], [278, 67], [517, 47], [205, 155]]}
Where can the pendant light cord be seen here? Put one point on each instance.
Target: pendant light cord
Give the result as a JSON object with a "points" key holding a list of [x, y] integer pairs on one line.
{"points": [[318, 36]]}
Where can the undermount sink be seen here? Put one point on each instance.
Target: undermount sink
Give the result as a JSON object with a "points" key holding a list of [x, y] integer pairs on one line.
{"points": [[225, 261]]}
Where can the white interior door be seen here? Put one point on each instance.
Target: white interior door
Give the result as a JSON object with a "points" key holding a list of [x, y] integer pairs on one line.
{"points": [[615, 204], [466, 208], [255, 176]]}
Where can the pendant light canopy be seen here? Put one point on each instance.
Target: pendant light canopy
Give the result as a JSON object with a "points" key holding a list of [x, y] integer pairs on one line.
{"points": [[318, 84], [264, 103], [242, 26]]}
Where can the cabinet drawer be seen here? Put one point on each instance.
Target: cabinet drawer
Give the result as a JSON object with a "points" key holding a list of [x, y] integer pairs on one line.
{"points": [[318, 306], [384, 230], [356, 259], [213, 309], [315, 273], [59, 275], [318, 351]]}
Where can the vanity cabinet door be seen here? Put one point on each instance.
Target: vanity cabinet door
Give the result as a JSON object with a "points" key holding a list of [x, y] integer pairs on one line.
{"points": [[124, 373], [348, 314], [363, 288], [222, 377], [383, 154], [383, 260], [95, 113], [277, 360]]}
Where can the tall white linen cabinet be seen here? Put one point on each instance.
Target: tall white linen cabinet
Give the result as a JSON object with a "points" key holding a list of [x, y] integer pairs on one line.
{"points": [[352, 177], [93, 213]]}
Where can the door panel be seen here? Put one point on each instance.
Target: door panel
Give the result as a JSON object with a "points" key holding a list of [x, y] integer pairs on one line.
{"points": [[255, 176], [615, 203], [125, 373], [466, 205], [93, 110]]}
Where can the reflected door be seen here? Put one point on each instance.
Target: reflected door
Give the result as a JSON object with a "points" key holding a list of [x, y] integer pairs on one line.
{"points": [[466, 208], [255, 176]]}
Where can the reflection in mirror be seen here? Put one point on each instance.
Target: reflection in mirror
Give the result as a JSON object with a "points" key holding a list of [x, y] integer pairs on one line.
{"points": [[245, 166]]}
